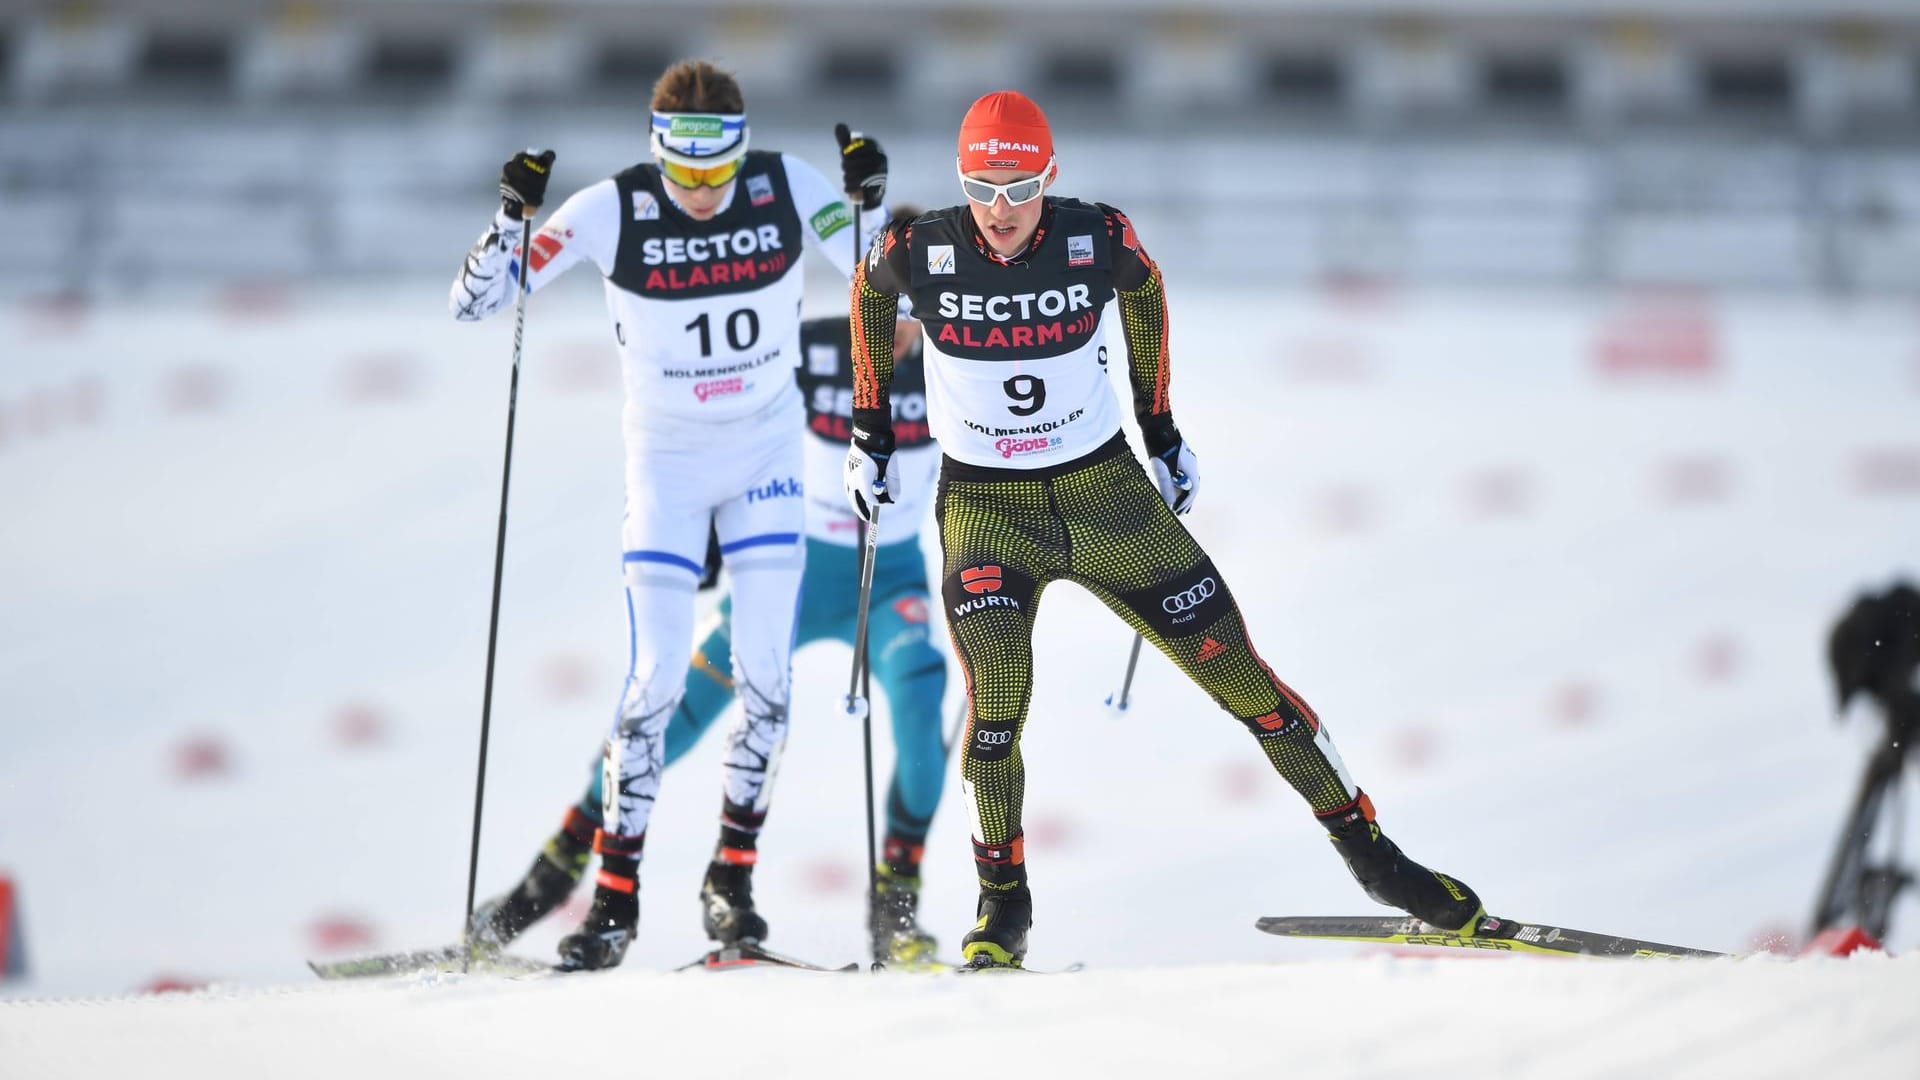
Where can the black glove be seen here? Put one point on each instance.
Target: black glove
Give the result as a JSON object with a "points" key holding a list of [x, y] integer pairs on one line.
{"points": [[1176, 471], [523, 182], [863, 167], [867, 457]]}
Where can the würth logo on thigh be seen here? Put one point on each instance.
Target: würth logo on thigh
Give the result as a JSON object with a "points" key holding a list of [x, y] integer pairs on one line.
{"points": [[981, 579], [977, 588]]}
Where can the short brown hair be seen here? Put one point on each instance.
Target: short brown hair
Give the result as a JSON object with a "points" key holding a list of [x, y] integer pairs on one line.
{"points": [[696, 86]]}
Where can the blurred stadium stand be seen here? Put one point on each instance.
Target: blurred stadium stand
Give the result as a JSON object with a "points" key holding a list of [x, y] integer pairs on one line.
{"points": [[1556, 142]]}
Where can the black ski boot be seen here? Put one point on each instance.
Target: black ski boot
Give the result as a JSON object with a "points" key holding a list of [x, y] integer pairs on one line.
{"points": [[547, 884], [999, 938], [602, 940], [726, 903], [1390, 877], [898, 937]]}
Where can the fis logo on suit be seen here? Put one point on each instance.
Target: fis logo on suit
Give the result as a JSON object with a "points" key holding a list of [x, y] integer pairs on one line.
{"points": [[1189, 599], [789, 488]]}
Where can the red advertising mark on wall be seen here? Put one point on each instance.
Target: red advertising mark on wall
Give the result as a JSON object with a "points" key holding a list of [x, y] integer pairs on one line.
{"points": [[195, 388], [333, 932], [382, 376], [1887, 470], [1659, 335], [1695, 480], [201, 757], [1503, 491]]}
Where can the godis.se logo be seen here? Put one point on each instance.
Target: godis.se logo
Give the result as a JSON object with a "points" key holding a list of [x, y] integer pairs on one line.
{"points": [[1010, 447], [718, 388], [981, 579]]}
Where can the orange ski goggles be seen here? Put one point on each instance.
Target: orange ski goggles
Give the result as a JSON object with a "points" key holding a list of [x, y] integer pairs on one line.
{"points": [[686, 177]]}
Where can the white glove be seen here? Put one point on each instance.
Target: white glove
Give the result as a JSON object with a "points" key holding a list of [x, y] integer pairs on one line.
{"points": [[866, 480], [1177, 472]]}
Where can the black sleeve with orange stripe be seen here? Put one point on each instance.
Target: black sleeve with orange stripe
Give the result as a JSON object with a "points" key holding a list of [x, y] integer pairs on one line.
{"points": [[878, 281], [1143, 319]]}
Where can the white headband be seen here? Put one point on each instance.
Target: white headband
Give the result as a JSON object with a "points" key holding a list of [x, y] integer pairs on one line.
{"points": [[699, 140]]}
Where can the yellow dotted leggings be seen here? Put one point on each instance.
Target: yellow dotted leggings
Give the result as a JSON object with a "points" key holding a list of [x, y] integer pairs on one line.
{"points": [[1098, 522]]}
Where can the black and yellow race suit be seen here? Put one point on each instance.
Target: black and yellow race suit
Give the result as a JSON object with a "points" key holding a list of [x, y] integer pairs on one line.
{"points": [[1037, 485]]}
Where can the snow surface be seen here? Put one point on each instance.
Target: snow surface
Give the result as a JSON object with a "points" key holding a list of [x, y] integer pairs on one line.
{"points": [[1567, 628], [1371, 1018]]}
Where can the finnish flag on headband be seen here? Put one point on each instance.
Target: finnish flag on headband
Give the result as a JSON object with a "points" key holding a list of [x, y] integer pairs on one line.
{"points": [[698, 139]]}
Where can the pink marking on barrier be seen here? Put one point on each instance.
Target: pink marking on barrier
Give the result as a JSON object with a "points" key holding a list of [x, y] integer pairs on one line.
{"points": [[1717, 658], [1052, 832], [1240, 781], [1327, 360], [334, 933], [568, 677], [204, 756], [1505, 491], [172, 984], [256, 300], [384, 376], [359, 725], [1356, 290], [1346, 510], [1668, 334], [828, 876], [1574, 704], [1695, 480], [57, 313], [1414, 747], [195, 388], [86, 400], [1887, 470]]}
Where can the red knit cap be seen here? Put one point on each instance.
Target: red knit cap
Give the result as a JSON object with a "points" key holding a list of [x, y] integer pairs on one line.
{"points": [[1005, 130]]}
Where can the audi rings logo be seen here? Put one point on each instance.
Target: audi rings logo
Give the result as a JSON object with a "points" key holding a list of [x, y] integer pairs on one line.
{"points": [[1191, 598], [993, 738]]}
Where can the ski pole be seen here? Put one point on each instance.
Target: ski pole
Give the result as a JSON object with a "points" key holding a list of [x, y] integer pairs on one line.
{"points": [[856, 703], [523, 289], [862, 682], [1118, 702]]}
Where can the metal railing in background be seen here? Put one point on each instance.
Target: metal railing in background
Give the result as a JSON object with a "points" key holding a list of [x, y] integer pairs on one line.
{"points": [[138, 201], [1743, 145]]}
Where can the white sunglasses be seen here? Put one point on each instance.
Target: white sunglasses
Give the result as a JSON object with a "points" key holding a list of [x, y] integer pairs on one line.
{"points": [[1016, 193]]}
